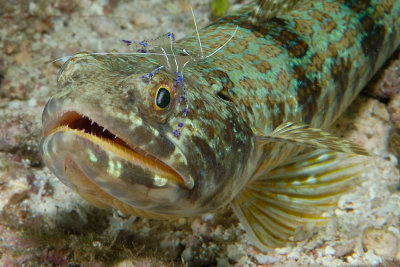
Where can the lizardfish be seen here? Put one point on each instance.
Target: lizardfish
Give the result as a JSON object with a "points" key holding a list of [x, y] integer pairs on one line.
{"points": [[236, 114]]}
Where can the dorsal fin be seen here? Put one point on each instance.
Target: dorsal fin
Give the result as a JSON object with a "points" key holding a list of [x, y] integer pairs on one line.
{"points": [[268, 9]]}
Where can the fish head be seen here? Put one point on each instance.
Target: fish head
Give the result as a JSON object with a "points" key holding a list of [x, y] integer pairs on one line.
{"points": [[123, 137]]}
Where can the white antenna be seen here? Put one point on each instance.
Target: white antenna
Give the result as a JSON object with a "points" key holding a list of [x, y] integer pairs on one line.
{"points": [[164, 53], [183, 68], [166, 57], [173, 53], [110, 53], [197, 31], [227, 41]]}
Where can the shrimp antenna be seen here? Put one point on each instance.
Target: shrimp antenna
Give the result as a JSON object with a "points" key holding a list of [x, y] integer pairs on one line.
{"points": [[227, 41], [197, 31], [112, 53], [166, 57], [172, 39]]}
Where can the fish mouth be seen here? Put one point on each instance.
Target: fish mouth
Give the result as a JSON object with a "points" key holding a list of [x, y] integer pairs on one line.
{"points": [[89, 129]]}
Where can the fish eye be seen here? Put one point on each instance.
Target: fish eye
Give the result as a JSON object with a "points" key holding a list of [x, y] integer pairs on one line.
{"points": [[163, 97]]}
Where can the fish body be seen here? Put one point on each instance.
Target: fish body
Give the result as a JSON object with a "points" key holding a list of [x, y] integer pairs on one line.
{"points": [[233, 125]]}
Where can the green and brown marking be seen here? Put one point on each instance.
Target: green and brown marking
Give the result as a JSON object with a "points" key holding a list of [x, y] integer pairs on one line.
{"points": [[108, 136]]}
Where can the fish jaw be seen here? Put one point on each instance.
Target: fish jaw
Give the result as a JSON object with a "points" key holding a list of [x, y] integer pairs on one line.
{"points": [[123, 171]]}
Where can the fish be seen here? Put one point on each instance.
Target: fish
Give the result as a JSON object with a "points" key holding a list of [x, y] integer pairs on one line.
{"points": [[236, 114]]}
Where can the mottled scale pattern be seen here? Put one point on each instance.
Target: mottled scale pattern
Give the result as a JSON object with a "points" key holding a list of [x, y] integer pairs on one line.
{"points": [[303, 65], [265, 10]]}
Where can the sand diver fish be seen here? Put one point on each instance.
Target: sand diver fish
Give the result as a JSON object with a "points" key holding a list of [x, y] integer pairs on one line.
{"points": [[176, 130]]}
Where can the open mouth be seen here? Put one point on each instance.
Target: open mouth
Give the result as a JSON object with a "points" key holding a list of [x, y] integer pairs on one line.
{"points": [[85, 127], [72, 120]]}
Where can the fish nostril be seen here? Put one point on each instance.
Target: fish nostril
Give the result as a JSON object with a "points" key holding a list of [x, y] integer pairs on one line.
{"points": [[224, 96]]}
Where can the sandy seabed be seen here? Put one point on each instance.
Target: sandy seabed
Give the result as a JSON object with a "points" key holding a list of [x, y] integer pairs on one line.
{"points": [[42, 222]]}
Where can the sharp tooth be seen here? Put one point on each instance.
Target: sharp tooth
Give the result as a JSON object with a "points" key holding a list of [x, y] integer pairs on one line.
{"points": [[92, 122], [104, 129]]}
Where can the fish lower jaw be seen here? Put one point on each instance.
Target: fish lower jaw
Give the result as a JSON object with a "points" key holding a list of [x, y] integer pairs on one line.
{"points": [[107, 177], [92, 193]]}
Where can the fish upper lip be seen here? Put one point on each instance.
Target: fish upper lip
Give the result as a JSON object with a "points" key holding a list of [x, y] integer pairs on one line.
{"points": [[74, 120]]}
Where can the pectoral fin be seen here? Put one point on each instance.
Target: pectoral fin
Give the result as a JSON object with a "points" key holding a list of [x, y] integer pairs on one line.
{"points": [[301, 134], [278, 208]]}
